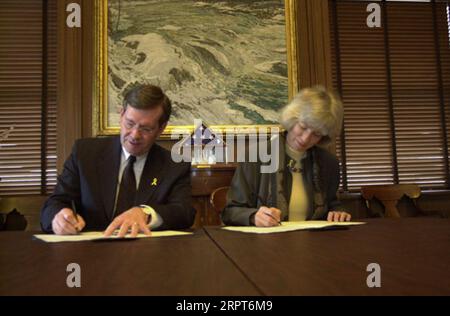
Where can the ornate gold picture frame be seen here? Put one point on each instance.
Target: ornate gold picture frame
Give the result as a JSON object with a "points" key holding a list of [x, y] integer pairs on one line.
{"points": [[202, 67]]}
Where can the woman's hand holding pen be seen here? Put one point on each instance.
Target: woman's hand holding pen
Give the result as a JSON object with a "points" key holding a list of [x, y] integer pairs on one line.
{"points": [[66, 222], [268, 216]]}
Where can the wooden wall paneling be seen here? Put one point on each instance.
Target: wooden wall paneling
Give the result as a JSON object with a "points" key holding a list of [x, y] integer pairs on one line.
{"points": [[75, 77], [69, 83], [313, 40], [87, 67]]}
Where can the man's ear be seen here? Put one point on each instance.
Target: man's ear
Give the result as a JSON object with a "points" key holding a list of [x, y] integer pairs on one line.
{"points": [[121, 116], [162, 128]]}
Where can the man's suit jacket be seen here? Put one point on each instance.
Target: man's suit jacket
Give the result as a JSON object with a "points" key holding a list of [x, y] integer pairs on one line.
{"points": [[90, 177]]}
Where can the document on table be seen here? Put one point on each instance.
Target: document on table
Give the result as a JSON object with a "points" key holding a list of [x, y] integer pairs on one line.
{"points": [[291, 226], [99, 236]]}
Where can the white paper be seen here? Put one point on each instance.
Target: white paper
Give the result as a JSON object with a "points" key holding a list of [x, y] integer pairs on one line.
{"points": [[99, 236], [288, 226]]}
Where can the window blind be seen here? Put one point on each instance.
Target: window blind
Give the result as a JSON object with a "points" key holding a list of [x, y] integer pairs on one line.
{"points": [[394, 82], [27, 97]]}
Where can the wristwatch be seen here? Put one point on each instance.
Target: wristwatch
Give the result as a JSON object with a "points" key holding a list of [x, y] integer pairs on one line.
{"points": [[147, 210]]}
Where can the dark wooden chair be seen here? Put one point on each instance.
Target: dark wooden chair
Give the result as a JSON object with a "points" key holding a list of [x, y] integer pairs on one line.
{"points": [[218, 199], [21, 212], [390, 195]]}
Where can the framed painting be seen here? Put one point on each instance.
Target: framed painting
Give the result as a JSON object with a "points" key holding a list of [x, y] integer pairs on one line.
{"points": [[227, 63]]}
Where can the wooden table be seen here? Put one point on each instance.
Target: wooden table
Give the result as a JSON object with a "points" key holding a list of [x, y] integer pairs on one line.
{"points": [[181, 265], [413, 253]]}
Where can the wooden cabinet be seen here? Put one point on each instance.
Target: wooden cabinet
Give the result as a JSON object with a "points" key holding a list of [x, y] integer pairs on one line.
{"points": [[205, 179]]}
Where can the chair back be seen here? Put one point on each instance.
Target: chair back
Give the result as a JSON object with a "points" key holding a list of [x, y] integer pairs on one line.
{"points": [[218, 199], [389, 195], [21, 212]]}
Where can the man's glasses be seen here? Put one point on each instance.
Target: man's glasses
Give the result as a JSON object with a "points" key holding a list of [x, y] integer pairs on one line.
{"points": [[142, 129]]}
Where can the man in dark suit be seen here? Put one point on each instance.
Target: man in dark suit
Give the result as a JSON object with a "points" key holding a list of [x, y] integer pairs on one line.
{"points": [[126, 183]]}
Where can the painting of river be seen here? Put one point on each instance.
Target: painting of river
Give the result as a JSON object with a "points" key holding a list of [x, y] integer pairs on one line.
{"points": [[220, 61]]}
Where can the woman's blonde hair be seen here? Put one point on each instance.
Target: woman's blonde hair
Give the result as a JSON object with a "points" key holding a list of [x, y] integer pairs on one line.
{"points": [[318, 109]]}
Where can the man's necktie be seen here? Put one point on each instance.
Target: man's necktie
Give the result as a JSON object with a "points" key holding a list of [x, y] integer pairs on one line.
{"points": [[127, 190]]}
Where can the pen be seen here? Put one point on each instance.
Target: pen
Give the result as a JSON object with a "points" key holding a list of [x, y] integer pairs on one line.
{"points": [[279, 222], [74, 210]]}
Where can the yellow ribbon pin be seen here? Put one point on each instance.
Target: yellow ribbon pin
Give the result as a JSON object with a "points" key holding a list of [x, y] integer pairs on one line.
{"points": [[155, 181]]}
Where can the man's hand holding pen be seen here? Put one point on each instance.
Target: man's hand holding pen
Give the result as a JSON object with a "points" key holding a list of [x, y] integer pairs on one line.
{"points": [[67, 222], [267, 216]]}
